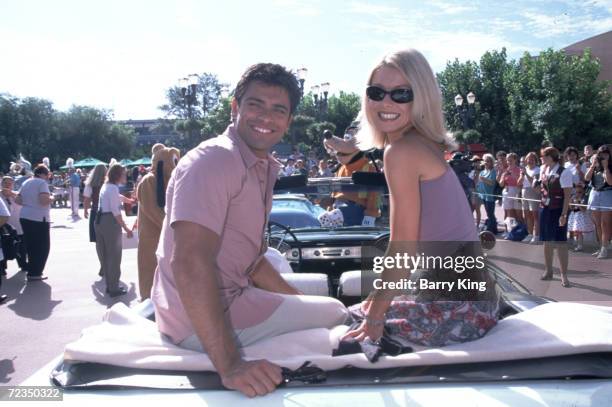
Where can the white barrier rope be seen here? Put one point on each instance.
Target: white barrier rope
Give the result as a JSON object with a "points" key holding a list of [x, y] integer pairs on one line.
{"points": [[538, 200]]}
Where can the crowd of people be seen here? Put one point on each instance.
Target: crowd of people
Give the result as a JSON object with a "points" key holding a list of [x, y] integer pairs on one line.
{"points": [[27, 197], [516, 184]]}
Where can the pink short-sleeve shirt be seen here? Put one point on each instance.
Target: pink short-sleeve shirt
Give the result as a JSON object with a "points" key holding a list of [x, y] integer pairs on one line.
{"points": [[224, 187]]}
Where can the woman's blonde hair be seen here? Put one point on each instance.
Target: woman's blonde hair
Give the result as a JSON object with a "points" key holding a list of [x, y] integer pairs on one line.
{"points": [[427, 116], [532, 154], [96, 177]]}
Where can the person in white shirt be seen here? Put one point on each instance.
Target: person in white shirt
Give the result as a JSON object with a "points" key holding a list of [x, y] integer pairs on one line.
{"points": [[573, 165], [531, 203], [108, 225], [556, 186], [8, 196], [4, 216], [289, 167], [35, 198]]}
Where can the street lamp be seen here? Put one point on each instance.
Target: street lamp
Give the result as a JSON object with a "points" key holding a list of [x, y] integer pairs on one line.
{"points": [[301, 75], [466, 113], [188, 87], [320, 93]]}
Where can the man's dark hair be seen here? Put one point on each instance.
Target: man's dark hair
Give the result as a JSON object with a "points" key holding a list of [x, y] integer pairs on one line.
{"points": [[552, 153], [271, 75], [546, 143], [571, 150], [41, 169]]}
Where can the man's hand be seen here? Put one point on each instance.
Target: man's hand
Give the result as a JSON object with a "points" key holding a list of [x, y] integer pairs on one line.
{"points": [[253, 378]]}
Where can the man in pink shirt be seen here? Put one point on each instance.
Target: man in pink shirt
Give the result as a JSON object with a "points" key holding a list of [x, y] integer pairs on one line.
{"points": [[214, 291]]}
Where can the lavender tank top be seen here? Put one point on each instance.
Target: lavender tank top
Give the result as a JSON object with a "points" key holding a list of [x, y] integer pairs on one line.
{"points": [[445, 212]]}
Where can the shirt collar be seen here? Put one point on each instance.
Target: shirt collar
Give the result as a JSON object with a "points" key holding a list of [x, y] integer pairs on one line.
{"points": [[552, 170], [249, 158]]}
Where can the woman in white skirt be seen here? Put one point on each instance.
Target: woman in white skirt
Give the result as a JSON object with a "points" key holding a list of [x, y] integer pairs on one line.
{"points": [[579, 221], [509, 181], [531, 203]]}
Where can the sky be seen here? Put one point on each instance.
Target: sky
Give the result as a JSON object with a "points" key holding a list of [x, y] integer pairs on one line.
{"points": [[122, 55]]}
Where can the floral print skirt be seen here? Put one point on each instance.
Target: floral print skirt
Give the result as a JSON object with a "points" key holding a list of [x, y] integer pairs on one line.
{"points": [[437, 323]]}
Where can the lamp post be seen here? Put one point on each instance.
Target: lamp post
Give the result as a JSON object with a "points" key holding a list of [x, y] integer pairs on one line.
{"points": [[188, 87], [301, 75], [320, 93], [466, 113]]}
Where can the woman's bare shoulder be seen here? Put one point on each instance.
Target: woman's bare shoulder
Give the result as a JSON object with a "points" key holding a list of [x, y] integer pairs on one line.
{"points": [[409, 152]]}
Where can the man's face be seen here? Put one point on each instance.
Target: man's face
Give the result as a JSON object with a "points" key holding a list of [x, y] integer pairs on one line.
{"points": [[588, 151], [7, 184], [263, 116]]}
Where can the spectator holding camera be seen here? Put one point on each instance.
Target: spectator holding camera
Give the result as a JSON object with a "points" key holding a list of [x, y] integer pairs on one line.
{"points": [[600, 199], [485, 186]]}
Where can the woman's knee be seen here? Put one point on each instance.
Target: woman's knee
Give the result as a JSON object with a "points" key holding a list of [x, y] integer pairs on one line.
{"points": [[334, 312]]}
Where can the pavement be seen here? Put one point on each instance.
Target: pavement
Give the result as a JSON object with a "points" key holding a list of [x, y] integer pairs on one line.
{"points": [[39, 318]]}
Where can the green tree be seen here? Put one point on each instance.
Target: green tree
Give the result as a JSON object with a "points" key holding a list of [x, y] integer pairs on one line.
{"points": [[208, 95], [9, 129], [218, 119], [557, 97], [343, 109], [298, 130]]}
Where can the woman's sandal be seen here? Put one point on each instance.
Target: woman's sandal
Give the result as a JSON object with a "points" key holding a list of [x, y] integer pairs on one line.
{"points": [[566, 284], [546, 276]]}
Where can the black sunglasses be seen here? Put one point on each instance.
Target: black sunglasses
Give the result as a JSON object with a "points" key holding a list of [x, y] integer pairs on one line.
{"points": [[377, 94]]}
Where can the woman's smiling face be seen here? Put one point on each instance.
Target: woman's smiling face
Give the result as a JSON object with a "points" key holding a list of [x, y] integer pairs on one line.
{"points": [[386, 115]]}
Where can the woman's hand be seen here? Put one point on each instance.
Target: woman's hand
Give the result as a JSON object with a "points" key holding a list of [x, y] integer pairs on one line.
{"points": [[367, 329], [129, 233], [562, 220]]}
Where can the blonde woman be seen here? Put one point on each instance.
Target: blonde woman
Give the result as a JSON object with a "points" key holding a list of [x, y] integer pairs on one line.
{"points": [[403, 113], [91, 195], [509, 182]]}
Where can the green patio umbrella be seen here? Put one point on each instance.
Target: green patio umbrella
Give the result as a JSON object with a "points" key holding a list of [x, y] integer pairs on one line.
{"points": [[126, 162], [142, 161], [88, 162]]}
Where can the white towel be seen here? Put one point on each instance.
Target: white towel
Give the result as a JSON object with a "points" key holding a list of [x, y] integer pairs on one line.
{"points": [[554, 329]]}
